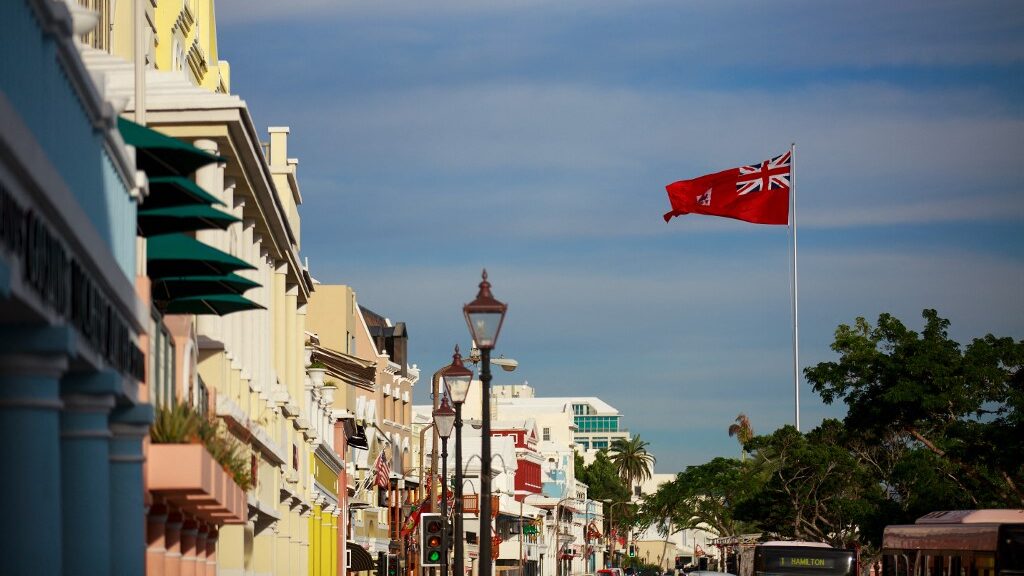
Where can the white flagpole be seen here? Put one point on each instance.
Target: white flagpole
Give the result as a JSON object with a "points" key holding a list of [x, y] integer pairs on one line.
{"points": [[796, 309]]}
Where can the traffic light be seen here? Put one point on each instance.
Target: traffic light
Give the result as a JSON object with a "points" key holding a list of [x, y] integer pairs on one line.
{"points": [[632, 551], [392, 565], [432, 526]]}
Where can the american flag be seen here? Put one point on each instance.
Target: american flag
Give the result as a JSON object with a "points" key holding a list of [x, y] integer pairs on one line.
{"points": [[768, 175], [383, 468]]}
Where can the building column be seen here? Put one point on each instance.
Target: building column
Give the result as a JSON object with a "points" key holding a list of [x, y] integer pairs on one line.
{"points": [[156, 546], [85, 470], [30, 490], [129, 427], [211, 552], [326, 517], [281, 528], [189, 532], [201, 551], [172, 542], [314, 541]]}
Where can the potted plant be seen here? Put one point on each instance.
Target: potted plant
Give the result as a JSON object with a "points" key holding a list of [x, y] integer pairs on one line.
{"points": [[316, 373], [329, 387]]}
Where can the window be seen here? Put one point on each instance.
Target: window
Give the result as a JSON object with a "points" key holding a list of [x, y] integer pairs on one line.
{"points": [[202, 398], [546, 434], [161, 361]]}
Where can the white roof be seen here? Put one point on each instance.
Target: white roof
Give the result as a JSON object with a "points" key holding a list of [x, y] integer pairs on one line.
{"points": [[560, 403]]}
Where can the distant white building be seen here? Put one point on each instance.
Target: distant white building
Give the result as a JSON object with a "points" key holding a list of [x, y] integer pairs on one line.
{"points": [[595, 423]]}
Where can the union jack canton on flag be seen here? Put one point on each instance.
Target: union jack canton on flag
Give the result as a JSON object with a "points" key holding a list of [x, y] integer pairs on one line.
{"points": [[770, 175]]}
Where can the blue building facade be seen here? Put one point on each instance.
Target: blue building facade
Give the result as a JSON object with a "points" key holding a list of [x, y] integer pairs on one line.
{"points": [[71, 424]]}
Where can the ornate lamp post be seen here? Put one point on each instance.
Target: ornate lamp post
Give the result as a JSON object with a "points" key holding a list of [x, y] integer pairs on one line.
{"points": [[484, 316], [457, 379], [444, 419]]}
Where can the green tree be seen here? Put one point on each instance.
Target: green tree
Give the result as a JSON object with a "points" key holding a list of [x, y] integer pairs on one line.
{"points": [[632, 460], [604, 485], [704, 496], [925, 391], [602, 479], [816, 488]]}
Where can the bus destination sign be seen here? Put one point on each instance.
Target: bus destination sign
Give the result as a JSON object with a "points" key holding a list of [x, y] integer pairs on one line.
{"points": [[806, 562]]}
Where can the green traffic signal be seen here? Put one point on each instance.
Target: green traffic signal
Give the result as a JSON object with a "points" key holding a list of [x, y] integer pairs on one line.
{"points": [[432, 549]]}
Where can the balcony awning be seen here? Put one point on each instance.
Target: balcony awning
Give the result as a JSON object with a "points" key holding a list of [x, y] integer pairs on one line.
{"points": [[219, 304], [165, 191], [155, 221], [358, 438], [160, 155], [361, 559], [182, 286], [180, 255]]}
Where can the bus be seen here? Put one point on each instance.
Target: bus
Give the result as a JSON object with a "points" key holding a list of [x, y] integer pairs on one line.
{"points": [[956, 543], [796, 559]]}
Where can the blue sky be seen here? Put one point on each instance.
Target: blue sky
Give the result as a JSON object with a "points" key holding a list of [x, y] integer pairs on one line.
{"points": [[536, 137]]}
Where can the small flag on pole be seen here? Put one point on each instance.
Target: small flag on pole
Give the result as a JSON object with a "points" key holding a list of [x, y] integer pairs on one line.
{"points": [[383, 469]]}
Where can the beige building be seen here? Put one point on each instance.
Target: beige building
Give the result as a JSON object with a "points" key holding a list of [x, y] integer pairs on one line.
{"points": [[368, 355]]}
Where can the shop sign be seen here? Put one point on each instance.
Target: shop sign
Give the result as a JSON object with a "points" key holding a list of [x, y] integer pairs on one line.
{"points": [[60, 281]]}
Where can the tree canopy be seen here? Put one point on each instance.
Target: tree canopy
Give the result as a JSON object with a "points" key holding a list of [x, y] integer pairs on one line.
{"points": [[930, 425], [704, 496], [962, 404]]}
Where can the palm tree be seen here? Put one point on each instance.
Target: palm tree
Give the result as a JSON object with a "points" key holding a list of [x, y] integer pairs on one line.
{"points": [[743, 433], [632, 460]]}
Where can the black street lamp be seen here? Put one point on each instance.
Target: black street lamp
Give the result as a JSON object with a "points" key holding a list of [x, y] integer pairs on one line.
{"points": [[444, 419], [457, 379], [485, 316]]}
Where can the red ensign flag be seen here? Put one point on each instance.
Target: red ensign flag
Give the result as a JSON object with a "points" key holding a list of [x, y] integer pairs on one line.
{"points": [[757, 193]]}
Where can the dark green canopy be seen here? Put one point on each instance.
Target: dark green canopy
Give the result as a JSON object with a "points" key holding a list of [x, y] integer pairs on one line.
{"points": [[166, 191], [182, 286], [362, 560], [180, 255], [160, 155], [156, 221], [219, 304]]}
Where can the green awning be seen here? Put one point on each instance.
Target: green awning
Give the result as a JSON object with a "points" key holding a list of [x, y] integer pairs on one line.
{"points": [[183, 286], [219, 304], [160, 155], [180, 255], [165, 191], [172, 219]]}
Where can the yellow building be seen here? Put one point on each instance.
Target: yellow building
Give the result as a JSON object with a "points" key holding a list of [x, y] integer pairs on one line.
{"points": [[251, 368]]}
